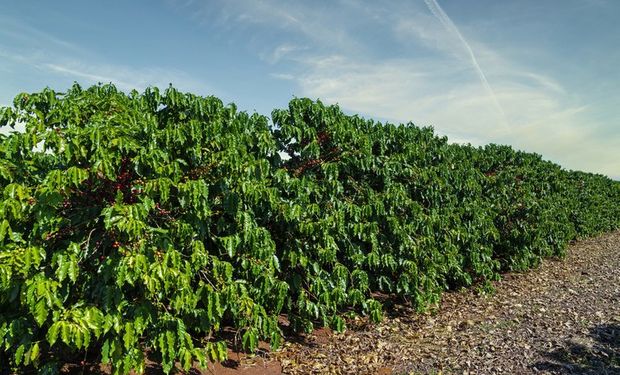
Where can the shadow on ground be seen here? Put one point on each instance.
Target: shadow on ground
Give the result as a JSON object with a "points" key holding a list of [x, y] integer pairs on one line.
{"points": [[601, 355]]}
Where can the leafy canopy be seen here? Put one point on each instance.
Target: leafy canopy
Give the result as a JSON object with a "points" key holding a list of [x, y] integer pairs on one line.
{"points": [[155, 220]]}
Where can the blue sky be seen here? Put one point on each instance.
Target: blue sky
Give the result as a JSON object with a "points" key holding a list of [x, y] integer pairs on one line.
{"points": [[539, 75]]}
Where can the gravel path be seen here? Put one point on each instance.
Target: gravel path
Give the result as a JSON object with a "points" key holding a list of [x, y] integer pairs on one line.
{"points": [[562, 318]]}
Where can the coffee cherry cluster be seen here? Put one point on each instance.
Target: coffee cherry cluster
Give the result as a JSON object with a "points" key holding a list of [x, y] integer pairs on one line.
{"points": [[60, 233]]}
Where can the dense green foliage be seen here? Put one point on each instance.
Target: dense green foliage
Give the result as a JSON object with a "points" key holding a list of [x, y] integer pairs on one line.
{"points": [[155, 220]]}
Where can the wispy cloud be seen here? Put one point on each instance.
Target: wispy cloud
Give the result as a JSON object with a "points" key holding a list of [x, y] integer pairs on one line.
{"points": [[403, 91], [301, 21], [451, 27], [124, 77], [281, 51], [46, 53], [32, 36], [470, 76], [90, 77], [536, 113]]}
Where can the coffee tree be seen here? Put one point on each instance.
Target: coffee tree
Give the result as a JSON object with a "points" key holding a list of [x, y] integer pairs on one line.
{"points": [[152, 222]]}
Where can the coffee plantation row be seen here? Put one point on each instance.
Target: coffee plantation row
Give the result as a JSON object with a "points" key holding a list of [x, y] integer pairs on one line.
{"points": [[151, 222]]}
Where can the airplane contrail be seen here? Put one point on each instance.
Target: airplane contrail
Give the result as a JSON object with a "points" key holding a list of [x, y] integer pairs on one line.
{"points": [[438, 12]]}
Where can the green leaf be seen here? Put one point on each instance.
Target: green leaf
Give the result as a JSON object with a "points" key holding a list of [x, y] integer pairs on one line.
{"points": [[128, 337], [52, 333], [250, 339], [5, 229], [76, 175], [65, 333], [19, 354], [41, 312], [34, 352], [105, 352], [338, 324]]}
